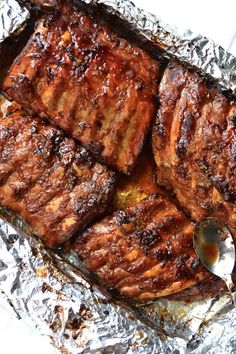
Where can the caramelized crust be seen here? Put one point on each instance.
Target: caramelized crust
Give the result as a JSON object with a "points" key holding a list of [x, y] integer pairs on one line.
{"points": [[47, 179], [144, 251], [194, 144], [93, 84]]}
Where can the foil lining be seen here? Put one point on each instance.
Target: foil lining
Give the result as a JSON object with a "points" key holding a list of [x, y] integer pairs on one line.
{"points": [[12, 17], [58, 296], [79, 317]]}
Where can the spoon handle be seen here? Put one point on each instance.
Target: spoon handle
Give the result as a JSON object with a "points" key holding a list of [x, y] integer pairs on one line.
{"points": [[230, 285], [234, 298]]}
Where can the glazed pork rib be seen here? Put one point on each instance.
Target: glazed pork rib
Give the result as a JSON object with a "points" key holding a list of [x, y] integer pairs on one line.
{"points": [[144, 251], [194, 144], [91, 83], [48, 180]]}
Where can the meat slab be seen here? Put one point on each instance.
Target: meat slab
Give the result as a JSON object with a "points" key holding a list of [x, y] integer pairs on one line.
{"points": [[47, 179], [194, 144], [144, 251], [90, 82]]}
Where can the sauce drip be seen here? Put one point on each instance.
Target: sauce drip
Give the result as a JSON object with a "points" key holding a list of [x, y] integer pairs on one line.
{"points": [[209, 234], [210, 252]]}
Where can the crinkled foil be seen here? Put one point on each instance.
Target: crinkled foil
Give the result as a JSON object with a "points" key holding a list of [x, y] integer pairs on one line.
{"points": [[12, 17], [79, 317], [58, 297]]}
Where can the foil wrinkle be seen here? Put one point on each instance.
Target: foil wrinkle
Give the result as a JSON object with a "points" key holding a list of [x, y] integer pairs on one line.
{"points": [[12, 17], [56, 295]]}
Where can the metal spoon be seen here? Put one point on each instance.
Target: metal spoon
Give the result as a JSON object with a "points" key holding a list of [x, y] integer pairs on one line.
{"points": [[215, 248]]}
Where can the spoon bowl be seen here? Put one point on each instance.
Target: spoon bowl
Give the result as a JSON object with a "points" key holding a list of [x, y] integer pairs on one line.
{"points": [[215, 248]]}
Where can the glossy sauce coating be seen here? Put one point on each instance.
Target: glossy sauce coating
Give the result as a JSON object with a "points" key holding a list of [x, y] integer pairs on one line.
{"points": [[145, 251], [194, 144], [91, 83], [210, 252], [47, 179]]}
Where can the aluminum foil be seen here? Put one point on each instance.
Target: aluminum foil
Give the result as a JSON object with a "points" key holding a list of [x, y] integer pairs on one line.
{"points": [[12, 17], [79, 317], [57, 295]]}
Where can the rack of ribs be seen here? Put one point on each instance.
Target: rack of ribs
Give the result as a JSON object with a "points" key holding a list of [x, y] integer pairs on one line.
{"points": [[47, 179], [93, 84], [144, 251], [194, 144]]}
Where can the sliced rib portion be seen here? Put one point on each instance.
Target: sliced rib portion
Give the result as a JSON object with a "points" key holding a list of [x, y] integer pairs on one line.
{"points": [[93, 84], [144, 251], [48, 180], [194, 144]]}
